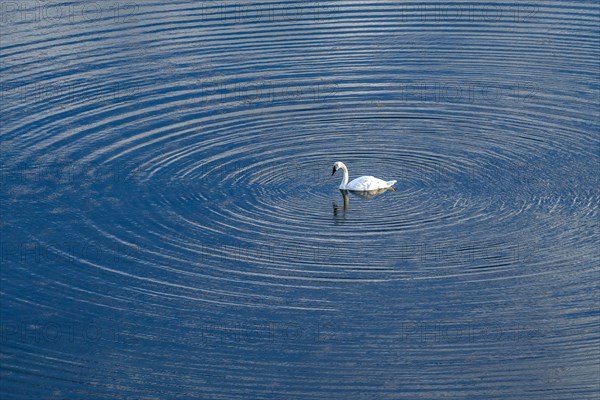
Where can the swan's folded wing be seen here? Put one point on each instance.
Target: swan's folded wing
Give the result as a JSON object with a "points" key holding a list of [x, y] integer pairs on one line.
{"points": [[365, 183]]}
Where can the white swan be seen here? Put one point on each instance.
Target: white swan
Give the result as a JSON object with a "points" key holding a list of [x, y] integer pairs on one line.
{"points": [[362, 184]]}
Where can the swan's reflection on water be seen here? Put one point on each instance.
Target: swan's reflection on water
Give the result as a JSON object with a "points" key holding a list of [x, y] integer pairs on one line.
{"points": [[339, 212]]}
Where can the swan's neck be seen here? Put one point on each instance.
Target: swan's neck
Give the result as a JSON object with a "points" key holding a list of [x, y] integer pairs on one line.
{"points": [[345, 177]]}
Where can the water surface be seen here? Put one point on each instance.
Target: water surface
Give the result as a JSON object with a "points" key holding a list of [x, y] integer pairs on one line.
{"points": [[170, 228]]}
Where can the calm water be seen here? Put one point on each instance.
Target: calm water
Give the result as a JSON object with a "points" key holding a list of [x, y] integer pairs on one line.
{"points": [[170, 228]]}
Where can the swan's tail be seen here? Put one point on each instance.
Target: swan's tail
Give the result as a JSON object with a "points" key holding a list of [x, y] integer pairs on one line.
{"points": [[391, 183]]}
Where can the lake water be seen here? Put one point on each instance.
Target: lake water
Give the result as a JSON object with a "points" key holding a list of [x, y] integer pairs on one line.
{"points": [[170, 226]]}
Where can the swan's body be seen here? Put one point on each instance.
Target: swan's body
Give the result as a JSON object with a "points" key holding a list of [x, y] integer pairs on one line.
{"points": [[362, 184]]}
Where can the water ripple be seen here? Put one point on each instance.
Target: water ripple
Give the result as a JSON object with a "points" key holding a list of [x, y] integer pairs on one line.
{"points": [[166, 171]]}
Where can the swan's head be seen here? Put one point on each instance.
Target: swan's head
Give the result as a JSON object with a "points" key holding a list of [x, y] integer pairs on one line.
{"points": [[336, 166]]}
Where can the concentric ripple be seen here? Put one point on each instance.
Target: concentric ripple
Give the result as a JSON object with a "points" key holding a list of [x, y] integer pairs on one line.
{"points": [[171, 229]]}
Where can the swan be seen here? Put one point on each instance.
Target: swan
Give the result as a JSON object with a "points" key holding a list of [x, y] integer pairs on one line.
{"points": [[362, 184]]}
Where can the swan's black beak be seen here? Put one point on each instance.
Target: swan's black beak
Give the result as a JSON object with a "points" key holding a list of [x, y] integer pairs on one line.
{"points": [[333, 172]]}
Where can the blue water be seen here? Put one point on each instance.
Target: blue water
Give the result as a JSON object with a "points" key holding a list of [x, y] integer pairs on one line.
{"points": [[170, 228]]}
